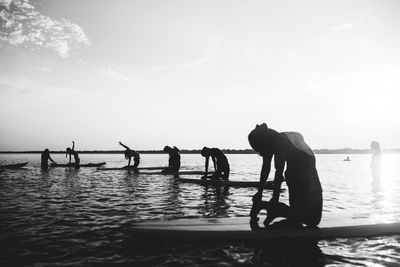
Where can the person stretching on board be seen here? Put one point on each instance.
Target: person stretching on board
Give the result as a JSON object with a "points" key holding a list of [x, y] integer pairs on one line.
{"points": [[375, 164], [221, 165], [174, 161], [129, 153], [305, 191], [71, 151], [44, 165]]}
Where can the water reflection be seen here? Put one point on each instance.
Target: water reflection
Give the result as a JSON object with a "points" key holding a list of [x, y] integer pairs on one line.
{"points": [[289, 253], [79, 217], [215, 204], [72, 183], [378, 195], [130, 185], [173, 207]]}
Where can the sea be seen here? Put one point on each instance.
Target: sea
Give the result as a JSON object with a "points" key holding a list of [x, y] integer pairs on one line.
{"points": [[84, 217]]}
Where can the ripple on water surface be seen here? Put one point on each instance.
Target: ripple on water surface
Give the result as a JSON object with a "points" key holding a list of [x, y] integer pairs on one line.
{"points": [[82, 217]]}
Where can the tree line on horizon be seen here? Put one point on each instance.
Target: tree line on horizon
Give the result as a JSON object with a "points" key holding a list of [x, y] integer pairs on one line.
{"points": [[197, 151]]}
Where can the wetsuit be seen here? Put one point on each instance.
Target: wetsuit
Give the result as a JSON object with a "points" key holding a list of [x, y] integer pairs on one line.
{"points": [[305, 191]]}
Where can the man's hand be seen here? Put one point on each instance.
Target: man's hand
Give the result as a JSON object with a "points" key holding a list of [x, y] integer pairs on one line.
{"points": [[274, 199]]}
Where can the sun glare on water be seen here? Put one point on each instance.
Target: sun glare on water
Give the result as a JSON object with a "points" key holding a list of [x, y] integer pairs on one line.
{"points": [[386, 190], [388, 170]]}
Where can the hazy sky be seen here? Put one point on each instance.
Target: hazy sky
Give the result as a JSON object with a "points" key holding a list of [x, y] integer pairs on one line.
{"points": [[197, 73]]}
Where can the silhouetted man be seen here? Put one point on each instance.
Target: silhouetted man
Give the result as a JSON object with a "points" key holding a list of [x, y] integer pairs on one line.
{"points": [[221, 165], [45, 157], [72, 152], [174, 161], [375, 164], [305, 191], [129, 153]]}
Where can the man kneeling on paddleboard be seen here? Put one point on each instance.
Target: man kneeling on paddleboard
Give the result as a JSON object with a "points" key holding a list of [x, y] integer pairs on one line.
{"points": [[221, 165], [72, 152], [305, 191], [174, 161], [129, 154]]}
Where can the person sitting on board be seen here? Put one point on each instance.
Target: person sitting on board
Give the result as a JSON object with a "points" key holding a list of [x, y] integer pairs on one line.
{"points": [[129, 154], [221, 165], [305, 191], [71, 151], [174, 161], [44, 165]]}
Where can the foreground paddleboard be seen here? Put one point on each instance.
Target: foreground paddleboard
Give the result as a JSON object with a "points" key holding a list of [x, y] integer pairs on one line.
{"points": [[238, 229], [13, 166], [268, 184], [73, 165]]}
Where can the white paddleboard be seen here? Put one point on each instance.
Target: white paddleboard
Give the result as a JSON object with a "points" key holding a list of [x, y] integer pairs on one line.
{"points": [[238, 229]]}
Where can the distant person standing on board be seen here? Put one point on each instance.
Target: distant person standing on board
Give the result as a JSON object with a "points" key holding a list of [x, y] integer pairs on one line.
{"points": [[72, 152], [45, 157], [129, 154], [305, 191], [375, 164], [221, 165], [174, 161]]}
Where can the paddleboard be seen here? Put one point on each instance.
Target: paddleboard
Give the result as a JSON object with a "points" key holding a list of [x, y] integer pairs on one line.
{"points": [[238, 230], [175, 173], [130, 168], [13, 166], [53, 165], [268, 184]]}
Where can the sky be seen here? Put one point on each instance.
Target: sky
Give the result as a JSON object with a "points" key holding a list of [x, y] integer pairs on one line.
{"points": [[190, 74]]}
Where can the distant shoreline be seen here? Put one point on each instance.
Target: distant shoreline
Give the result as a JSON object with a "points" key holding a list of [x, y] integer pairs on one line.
{"points": [[197, 151]]}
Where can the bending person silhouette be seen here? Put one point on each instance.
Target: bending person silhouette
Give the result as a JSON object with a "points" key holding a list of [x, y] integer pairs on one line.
{"points": [[221, 165], [129, 154], [375, 164], [174, 161], [45, 157], [305, 191], [72, 152]]}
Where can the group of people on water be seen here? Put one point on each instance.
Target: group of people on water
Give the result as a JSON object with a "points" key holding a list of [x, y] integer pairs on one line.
{"points": [[45, 157], [294, 163], [220, 161]]}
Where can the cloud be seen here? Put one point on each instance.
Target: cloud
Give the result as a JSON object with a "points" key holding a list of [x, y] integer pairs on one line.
{"points": [[107, 71], [22, 25], [44, 69], [344, 26], [114, 74]]}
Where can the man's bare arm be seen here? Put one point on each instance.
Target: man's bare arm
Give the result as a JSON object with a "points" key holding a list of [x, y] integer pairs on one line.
{"points": [[265, 169], [214, 162], [279, 167], [126, 147], [206, 165], [52, 160]]}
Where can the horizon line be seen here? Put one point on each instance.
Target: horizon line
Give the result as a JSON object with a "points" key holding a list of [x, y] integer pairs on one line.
{"points": [[197, 151]]}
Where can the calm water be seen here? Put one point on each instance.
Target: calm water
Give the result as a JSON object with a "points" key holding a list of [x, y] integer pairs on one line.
{"points": [[82, 217]]}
